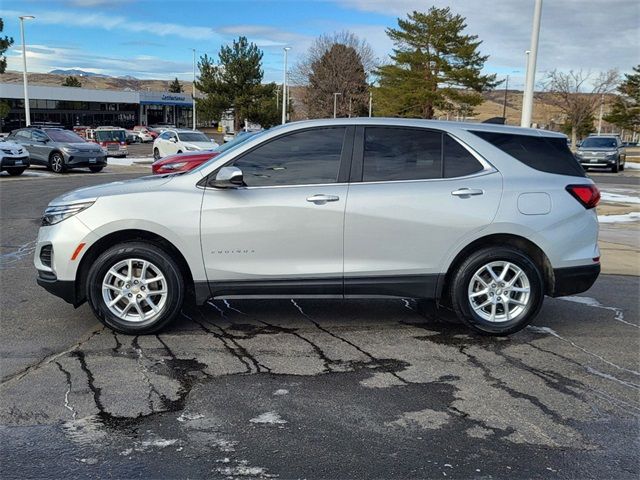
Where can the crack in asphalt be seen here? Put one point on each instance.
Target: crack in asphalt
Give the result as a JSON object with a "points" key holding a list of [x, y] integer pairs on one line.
{"points": [[50, 358], [145, 373], [67, 404]]}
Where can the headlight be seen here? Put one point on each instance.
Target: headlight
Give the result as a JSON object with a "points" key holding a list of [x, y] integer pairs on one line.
{"points": [[53, 215], [611, 155], [173, 166], [190, 148], [69, 149]]}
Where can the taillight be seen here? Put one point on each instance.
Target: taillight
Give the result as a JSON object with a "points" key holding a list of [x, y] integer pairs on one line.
{"points": [[587, 195]]}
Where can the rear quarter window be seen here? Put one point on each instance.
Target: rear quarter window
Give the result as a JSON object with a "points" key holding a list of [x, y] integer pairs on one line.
{"points": [[546, 154]]}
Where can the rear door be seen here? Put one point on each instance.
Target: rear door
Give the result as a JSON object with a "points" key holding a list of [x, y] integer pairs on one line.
{"points": [[281, 233], [415, 195]]}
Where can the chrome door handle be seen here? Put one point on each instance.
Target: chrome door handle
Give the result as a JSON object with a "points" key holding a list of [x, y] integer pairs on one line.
{"points": [[467, 192], [320, 199]]}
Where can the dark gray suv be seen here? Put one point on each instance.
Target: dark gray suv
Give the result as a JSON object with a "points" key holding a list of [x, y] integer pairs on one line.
{"points": [[60, 149], [602, 152]]}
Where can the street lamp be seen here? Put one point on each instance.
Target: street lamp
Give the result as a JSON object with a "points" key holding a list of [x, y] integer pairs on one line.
{"points": [[193, 89], [527, 100], [285, 99], [335, 103], [27, 112]]}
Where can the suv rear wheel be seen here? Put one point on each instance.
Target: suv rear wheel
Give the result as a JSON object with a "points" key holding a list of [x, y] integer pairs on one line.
{"points": [[497, 291], [135, 288]]}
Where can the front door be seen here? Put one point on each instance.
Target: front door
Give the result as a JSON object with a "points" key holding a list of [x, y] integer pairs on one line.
{"points": [[419, 194], [282, 233]]}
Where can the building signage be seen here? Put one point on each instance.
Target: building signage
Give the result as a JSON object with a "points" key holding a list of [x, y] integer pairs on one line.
{"points": [[164, 98]]}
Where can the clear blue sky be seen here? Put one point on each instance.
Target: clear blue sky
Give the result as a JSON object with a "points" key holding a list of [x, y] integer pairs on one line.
{"points": [[153, 39]]}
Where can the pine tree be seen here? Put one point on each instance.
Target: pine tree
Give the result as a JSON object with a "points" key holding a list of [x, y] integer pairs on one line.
{"points": [[175, 86], [436, 66], [5, 43], [71, 82], [625, 111], [235, 82]]}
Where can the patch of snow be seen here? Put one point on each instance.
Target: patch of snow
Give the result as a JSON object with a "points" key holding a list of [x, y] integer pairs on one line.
{"points": [[592, 302], [268, 418], [160, 443], [242, 471], [186, 417], [31, 173], [281, 391], [127, 452], [623, 218], [632, 165], [618, 198]]}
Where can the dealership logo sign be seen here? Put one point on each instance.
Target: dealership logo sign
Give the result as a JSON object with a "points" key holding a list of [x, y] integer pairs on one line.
{"points": [[174, 98]]}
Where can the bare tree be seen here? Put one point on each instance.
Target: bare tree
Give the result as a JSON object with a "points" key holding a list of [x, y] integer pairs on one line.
{"points": [[578, 94], [321, 45]]}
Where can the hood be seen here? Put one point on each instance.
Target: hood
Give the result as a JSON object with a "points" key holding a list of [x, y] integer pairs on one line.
{"points": [[88, 194], [9, 145], [201, 145], [83, 147]]}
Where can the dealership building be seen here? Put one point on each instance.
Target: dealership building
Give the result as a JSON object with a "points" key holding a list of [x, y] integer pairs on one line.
{"points": [[72, 106]]}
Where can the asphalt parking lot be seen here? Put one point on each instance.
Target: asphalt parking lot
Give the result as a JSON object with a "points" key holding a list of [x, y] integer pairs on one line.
{"points": [[310, 388]]}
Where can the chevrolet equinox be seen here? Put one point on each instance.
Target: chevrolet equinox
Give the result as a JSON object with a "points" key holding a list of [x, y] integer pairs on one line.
{"points": [[485, 219]]}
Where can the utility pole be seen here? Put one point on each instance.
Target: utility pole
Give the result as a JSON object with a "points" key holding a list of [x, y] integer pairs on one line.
{"points": [[370, 102], [335, 103], [527, 100], [601, 112], [504, 102], [284, 87], [193, 89], [27, 111]]}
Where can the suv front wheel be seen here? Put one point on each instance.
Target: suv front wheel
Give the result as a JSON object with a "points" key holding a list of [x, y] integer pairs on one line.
{"points": [[497, 291], [135, 288], [56, 163]]}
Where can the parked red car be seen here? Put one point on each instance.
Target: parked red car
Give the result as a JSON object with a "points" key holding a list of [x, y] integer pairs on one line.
{"points": [[142, 128], [181, 162]]}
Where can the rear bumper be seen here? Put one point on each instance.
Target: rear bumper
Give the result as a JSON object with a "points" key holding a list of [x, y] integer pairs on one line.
{"points": [[571, 280]]}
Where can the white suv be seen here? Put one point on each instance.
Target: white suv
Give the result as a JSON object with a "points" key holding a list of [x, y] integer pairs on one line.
{"points": [[173, 141], [484, 218]]}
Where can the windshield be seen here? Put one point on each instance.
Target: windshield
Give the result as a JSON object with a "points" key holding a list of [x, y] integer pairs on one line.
{"points": [[595, 142], [193, 137], [110, 135], [234, 142], [65, 136]]}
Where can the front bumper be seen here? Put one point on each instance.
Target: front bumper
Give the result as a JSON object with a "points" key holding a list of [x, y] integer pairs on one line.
{"points": [[597, 162], [572, 280], [75, 160], [65, 289], [15, 162]]}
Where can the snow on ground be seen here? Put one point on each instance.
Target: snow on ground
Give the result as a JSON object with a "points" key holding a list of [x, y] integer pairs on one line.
{"points": [[618, 198], [128, 161], [632, 165], [269, 418], [31, 173], [625, 218]]}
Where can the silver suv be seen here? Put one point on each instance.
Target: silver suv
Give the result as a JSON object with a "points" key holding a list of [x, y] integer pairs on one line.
{"points": [[485, 219], [60, 149], [602, 151]]}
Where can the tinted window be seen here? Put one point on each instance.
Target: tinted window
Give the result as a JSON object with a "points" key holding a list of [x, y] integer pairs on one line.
{"points": [[458, 161], [599, 142], [401, 154], [165, 136], [547, 154], [193, 137], [38, 136], [308, 157], [66, 136]]}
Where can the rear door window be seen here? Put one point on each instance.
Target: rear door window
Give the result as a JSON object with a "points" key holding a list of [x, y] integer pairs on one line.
{"points": [[546, 154], [392, 153]]}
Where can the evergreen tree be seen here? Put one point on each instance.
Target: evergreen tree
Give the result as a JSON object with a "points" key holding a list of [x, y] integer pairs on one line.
{"points": [[175, 86], [5, 43], [436, 66], [71, 82], [234, 83], [625, 111]]}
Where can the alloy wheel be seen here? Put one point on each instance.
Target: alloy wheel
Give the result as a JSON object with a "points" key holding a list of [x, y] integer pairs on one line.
{"points": [[499, 291], [135, 290], [57, 163]]}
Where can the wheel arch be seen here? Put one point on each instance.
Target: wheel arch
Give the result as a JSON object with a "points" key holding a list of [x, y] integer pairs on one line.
{"points": [[129, 235], [523, 244]]}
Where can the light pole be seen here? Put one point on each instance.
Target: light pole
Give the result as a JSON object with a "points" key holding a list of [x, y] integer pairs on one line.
{"points": [[335, 103], [527, 100], [284, 87], [504, 102], [27, 112], [193, 89], [370, 102]]}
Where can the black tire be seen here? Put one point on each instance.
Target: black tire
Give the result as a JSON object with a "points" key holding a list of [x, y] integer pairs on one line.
{"points": [[622, 166], [616, 168], [56, 163], [14, 172], [156, 154], [459, 290], [179, 151], [96, 169], [143, 251]]}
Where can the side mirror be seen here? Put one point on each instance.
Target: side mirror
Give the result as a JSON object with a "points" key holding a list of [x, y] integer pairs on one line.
{"points": [[173, 139], [228, 177]]}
